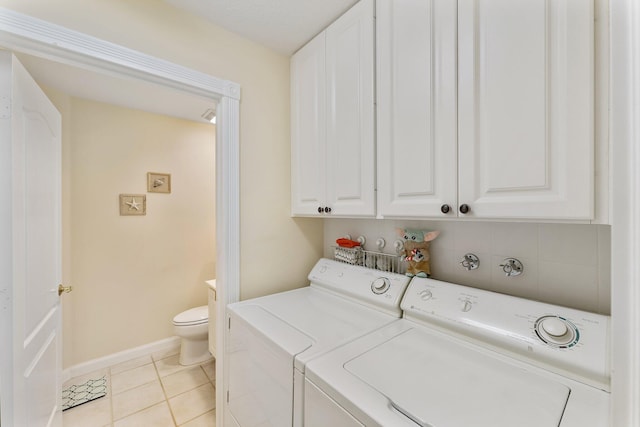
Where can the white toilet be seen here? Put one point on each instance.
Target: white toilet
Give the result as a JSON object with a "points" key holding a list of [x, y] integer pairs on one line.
{"points": [[192, 326]]}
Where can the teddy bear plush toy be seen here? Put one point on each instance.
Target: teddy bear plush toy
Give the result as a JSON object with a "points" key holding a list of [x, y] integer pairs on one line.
{"points": [[416, 250]]}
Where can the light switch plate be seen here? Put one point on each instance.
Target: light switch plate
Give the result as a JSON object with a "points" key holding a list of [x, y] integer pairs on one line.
{"points": [[158, 182], [133, 204]]}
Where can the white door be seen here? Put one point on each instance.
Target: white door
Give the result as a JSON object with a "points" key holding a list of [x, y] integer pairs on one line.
{"points": [[526, 108], [350, 112], [30, 228], [417, 127]]}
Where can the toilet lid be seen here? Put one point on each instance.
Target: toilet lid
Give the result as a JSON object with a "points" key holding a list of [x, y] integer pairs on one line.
{"points": [[194, 316]]}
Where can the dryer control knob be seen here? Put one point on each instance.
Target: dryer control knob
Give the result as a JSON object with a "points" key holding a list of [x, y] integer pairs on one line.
{"points": [[425, 294], [380, 285]]}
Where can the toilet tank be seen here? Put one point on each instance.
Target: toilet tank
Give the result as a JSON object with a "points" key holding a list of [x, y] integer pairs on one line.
{"points": [[213, 309]]}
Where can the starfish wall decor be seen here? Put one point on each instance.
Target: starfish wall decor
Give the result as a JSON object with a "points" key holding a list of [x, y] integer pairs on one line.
{"points": [[133, 204]]}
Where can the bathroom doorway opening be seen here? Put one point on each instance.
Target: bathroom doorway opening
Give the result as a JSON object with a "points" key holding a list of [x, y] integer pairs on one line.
{"points": [[24, 35]]}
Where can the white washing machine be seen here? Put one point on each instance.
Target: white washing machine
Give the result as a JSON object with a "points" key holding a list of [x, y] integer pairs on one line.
{"points": [[272, 338], [463, 357]]}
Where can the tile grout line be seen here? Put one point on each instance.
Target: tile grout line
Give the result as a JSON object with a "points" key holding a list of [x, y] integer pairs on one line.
{"points": [[164, 391], [110, 407], [138, 386]]}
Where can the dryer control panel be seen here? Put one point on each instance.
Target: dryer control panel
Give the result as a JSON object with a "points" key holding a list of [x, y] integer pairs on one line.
{"points": [[380, 289], [565, 340]]}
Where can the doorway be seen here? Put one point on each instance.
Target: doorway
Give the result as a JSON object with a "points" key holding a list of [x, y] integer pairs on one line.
{"points": [[23, 34]]}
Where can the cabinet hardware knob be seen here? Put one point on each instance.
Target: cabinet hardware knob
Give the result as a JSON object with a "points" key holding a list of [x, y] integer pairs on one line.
{"points": [[445, 209], [320, 209], [327, 209], [464, 208]]}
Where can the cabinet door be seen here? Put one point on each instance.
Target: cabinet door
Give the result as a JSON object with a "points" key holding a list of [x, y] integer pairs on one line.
{"points": [[308, 128], [350, 121], [416, 57], [526, 108]]}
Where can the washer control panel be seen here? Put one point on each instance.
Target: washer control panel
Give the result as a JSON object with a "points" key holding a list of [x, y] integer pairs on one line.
{"points": [[564, 339], [379, 289], [557, 331]]}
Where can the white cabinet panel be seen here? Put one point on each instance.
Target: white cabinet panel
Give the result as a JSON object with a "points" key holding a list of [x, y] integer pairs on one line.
{"points": [[332, 119], [526, 108], [416, 72], [308, 130], [520, 97], [350, 127]]}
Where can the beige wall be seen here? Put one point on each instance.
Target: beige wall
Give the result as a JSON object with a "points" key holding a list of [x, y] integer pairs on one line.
{"points": [[276, 250], [132, 274]]}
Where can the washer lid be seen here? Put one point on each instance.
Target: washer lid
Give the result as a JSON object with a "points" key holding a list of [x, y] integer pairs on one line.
{"points": [[435, 381], [194, 316]]}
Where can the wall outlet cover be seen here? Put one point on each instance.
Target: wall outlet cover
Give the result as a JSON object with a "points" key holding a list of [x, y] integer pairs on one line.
{"points": [[133, 204], [158, 182]]}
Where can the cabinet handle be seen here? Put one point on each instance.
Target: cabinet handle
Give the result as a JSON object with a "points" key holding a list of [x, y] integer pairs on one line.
{"points": [[320, 209], [445, 209], [464, 209], [327, 209]]}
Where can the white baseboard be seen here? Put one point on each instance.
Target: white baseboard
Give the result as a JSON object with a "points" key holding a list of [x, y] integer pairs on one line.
{"points": [[165, 345]]}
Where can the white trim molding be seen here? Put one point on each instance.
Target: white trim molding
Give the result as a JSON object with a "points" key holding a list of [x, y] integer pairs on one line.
{"points": [[25, 34], [22, 33], [228, 236], [165, 346], [625, 208]]}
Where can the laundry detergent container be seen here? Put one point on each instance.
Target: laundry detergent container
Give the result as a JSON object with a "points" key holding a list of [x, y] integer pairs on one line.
{"points": [[192, 326]]}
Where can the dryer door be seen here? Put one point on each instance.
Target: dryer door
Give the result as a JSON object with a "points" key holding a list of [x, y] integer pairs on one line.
{"points": [[260, 354]]}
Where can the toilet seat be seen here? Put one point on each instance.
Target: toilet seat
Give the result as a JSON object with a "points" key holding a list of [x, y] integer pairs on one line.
{"points": [[194, 316]]}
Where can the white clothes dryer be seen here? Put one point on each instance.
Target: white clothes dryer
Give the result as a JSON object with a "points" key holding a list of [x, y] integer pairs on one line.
{"points": [[465, 357], [272, 338]]}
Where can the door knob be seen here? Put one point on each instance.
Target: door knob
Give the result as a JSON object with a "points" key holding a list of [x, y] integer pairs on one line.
{"points": [[64, 289]]}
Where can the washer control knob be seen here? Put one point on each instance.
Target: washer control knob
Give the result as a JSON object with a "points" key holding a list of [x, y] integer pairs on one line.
{"points": [[466, 305], [554, 326], [380, 285]]}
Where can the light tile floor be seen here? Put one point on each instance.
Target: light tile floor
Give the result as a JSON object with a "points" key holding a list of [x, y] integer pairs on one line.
{"points": [[153, 390]]}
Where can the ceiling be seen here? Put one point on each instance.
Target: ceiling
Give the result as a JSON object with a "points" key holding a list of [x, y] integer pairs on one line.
{"points": [[283, 25], [124, 92]]}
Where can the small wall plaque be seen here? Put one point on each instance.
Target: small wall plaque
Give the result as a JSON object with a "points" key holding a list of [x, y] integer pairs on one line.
{"points": [[133, 204], [158, 182]]}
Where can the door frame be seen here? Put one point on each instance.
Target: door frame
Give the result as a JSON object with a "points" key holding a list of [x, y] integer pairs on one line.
{"points": [[624, 137], [25, 34]]}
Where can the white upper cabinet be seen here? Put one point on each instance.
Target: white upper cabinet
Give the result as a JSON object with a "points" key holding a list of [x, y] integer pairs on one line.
{"points": [[416, 76], [525, 108], [333, 127], [308, 128]]}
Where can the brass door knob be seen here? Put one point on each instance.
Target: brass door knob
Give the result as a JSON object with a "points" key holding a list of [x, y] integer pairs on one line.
{"points": [[64, 289]]}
